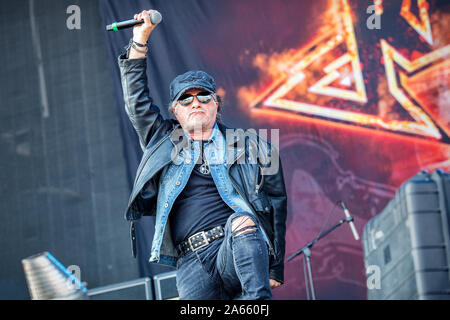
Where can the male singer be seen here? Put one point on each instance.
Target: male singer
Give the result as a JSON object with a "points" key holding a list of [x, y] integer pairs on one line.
{"points": [[219, 219]]}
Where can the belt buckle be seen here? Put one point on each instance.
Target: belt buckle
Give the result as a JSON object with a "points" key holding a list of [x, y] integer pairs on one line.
{"points": [[193, 236]]}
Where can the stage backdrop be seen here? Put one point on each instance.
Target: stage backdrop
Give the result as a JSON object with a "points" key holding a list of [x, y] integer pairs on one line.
{"points": [[63, 180], [361, 101]]}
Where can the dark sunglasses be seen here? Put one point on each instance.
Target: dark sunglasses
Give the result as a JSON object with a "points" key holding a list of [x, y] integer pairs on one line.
{"points": [[202, 97]]}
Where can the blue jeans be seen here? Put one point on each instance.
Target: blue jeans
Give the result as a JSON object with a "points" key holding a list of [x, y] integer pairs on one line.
{"points": [[235, 266]]}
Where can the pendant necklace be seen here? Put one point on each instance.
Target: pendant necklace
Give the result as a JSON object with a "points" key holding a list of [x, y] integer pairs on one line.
{"points": [[204, 168]]}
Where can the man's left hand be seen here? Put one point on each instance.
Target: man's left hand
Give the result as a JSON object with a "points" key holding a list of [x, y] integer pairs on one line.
{"points": [[274, 283]]}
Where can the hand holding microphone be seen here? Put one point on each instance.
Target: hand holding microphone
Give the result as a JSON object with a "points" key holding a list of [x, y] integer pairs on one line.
{"points": [[155, 18], [143, 24], [142, 31]]}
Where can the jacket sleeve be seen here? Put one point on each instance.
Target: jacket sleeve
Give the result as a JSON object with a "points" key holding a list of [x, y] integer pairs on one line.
{"points": [[143, 114], [275, 189]]}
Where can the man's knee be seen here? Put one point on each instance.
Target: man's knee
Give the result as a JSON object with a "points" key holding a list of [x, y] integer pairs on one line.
{"points": [[242, 224]]}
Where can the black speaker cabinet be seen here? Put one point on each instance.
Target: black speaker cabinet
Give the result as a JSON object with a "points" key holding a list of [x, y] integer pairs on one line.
{"points": [[165, 285], [409, 241], [139, 289]]}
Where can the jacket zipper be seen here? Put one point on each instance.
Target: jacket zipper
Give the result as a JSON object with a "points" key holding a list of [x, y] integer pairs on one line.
{"points": [[258, 185]]}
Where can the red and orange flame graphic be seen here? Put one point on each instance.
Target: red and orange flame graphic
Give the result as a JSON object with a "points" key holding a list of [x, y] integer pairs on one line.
{"points": [[325, 79]]}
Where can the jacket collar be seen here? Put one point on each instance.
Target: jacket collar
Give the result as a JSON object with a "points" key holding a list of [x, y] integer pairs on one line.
{"points": [[234, 138], [219, 129], [218, 132]]}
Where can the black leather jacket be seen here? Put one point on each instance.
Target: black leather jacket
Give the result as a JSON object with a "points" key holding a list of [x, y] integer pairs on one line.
{"points": [[265, 194]]}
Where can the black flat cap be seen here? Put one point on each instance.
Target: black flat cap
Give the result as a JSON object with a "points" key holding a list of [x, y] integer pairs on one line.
{"points": [[195, 79]]}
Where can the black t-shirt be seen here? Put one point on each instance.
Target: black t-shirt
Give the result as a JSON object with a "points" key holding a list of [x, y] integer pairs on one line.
{"points": [[199, 207]]}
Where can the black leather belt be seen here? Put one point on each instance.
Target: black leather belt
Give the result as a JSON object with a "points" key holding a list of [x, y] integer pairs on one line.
{"points": [[200, 239]]}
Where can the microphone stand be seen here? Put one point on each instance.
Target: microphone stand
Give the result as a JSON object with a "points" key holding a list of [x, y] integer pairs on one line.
{"points": [[306, 250]]}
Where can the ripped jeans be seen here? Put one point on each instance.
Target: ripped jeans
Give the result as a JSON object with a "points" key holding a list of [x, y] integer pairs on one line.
{"points": [[235, 266]]}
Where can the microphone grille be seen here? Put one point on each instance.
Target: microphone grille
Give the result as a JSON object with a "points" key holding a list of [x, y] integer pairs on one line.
{"points": [[155, 17]]}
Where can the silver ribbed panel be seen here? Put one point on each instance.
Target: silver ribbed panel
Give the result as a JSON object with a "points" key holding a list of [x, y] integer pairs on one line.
{"points": [[49, 279]]}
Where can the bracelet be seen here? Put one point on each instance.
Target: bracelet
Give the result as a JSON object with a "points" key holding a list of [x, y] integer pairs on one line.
{"points": [[139, 50], [132, 44], [139, 44]]}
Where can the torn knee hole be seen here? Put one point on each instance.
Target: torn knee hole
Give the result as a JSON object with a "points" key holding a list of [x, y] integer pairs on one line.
{"points": [[247, 229], [242, 225]]}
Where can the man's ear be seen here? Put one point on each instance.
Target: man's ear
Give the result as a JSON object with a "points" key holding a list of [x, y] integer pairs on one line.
{"points": [[217, 105], [217, 102]]}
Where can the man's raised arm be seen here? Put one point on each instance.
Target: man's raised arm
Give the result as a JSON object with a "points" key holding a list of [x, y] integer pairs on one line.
{"points": [[143, 114]]}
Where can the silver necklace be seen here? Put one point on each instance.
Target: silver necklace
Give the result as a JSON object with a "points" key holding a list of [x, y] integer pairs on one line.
{"points": [[204, 168]]}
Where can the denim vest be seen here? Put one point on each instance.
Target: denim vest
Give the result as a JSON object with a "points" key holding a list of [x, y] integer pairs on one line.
{"points": [[173, 180]]}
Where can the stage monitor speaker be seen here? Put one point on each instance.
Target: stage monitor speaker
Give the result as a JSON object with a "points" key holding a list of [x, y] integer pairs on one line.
{"points": [[407, 245], [139, 289], [165, 285]]}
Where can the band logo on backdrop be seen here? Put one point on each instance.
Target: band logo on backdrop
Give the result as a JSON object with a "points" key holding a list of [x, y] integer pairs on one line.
{"points": [[396, 86], [325, 78]]}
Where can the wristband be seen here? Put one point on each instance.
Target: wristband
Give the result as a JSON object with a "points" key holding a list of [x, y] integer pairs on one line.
{"points": [[133, 44], [140, 44], [137, 49]]}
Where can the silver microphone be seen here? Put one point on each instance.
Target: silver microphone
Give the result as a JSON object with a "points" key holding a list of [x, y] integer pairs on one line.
{"points": [[155, 18], [352, 225]]}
